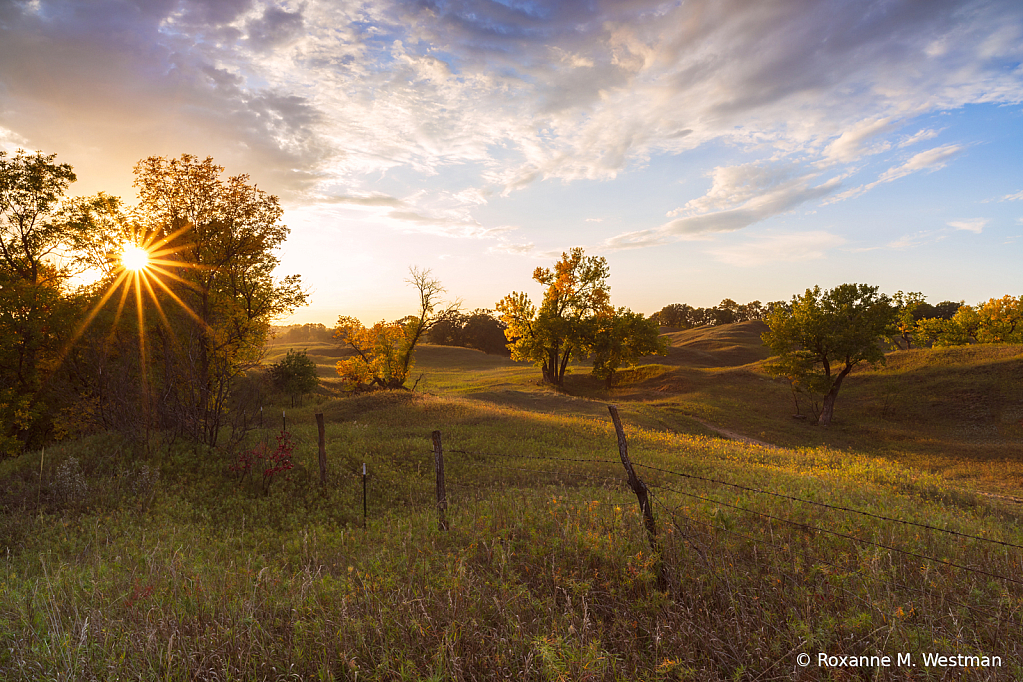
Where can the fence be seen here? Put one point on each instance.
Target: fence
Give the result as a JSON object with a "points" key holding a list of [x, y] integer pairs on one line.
{"points": [[648, 494]]}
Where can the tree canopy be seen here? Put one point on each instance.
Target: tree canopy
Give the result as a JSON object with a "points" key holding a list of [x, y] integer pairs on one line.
{"points": [[549, 335], [295, 374], [620, 338], [826, 334], [385, 353]]}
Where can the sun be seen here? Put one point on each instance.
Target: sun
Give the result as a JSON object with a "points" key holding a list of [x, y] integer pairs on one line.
{"points": [[134, 257]]}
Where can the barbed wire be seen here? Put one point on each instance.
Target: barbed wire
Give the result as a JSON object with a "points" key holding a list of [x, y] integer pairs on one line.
{"points": [[842, 535], [544, 457], [819, 560], [829, 506]]}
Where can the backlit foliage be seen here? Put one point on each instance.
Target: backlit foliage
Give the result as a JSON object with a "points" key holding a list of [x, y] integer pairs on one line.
{"points": [[560, 328], [385, 353]]}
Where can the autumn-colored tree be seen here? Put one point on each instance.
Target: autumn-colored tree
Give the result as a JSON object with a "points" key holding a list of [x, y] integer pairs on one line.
{"points": [[385, 353], [906, 306], [37, 310], [216, 281], [825, 335], [1001, 320], [962, 328], [622, 337], [559, 329]]}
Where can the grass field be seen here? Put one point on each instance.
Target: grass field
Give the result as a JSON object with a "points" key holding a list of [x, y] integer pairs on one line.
{"points": [[119, 565]]}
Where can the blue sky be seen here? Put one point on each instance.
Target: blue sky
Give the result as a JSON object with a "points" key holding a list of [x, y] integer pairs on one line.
{"points": [[708, 149]]}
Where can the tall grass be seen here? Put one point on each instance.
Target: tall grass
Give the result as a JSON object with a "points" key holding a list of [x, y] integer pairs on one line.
{"points": [[546, 573]]}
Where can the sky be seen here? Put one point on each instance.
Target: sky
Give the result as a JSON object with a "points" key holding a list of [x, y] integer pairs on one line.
{"points": [[708, 149]]}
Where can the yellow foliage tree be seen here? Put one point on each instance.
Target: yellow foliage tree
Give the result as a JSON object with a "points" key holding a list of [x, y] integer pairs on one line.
{"points": [[385, 353]]}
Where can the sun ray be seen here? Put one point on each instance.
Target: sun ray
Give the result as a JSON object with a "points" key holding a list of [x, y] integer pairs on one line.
{"points": [[184, 305], [117, 315], [168, 273], [156, 302], [95, 311], [142, 333]]}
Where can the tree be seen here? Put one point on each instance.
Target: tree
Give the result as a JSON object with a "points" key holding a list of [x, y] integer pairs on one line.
{"points": [[215, 240], [485, 332], [385, 352], [36, 312], [826, 334], [960, 329], [906, 306], [295, 374], [674, 315], [1001, 320], [622, 337], [549, 335]]}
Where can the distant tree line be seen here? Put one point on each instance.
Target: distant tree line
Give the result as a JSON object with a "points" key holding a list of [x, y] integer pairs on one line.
{"points": [[685, 316], [998, 320], [304, 333], [479, 329]]}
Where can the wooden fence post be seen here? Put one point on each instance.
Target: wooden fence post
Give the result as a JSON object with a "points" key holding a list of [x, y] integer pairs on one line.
{"points": [[442, 498], [323, 448], [642, 495]]}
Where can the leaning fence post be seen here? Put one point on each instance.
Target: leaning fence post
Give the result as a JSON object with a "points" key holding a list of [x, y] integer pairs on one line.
{"points": [[442, 498], [640, 489], [323, 448]]}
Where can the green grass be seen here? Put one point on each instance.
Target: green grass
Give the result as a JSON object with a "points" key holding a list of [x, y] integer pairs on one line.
{"points": [[108, 571]]}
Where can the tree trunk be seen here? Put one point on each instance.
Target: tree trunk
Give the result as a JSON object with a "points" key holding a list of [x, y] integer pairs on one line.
{"points": [[828, 408]]}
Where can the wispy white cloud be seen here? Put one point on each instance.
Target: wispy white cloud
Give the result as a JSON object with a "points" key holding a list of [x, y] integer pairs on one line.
{"points": [[327, 89], [975, 225], [930, 160], [773, 248], [739, 196], [854, 143], [916, 239], [1018, 196], [921, 136]]}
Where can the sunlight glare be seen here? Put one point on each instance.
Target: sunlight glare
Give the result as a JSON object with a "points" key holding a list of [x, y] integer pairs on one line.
{"points": [[134, 257]]}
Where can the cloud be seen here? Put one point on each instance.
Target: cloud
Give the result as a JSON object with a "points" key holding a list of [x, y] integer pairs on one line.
{"points": [[276, 27], [522, 249], [976, 225], [852, 144], [930, 160], [739, 196], [328, 92], [1018, 196], [916, 239], [778, 248], [926, 134]]}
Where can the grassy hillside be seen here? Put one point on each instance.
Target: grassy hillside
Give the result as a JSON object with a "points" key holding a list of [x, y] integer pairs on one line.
{"points": [[121, 565]]}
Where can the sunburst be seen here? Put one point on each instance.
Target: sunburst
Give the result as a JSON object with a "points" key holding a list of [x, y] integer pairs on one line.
{"points": [[134, 257], [142, 265]]}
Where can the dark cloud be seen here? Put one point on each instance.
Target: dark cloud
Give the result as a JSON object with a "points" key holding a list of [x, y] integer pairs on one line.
{"points": [[274, 28], [136, 79]]}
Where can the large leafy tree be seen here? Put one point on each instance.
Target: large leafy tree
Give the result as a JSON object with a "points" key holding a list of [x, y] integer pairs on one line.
{"points": [[219, 237], [622, 337], [36, 311], [826, 334], [560, 328]]}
